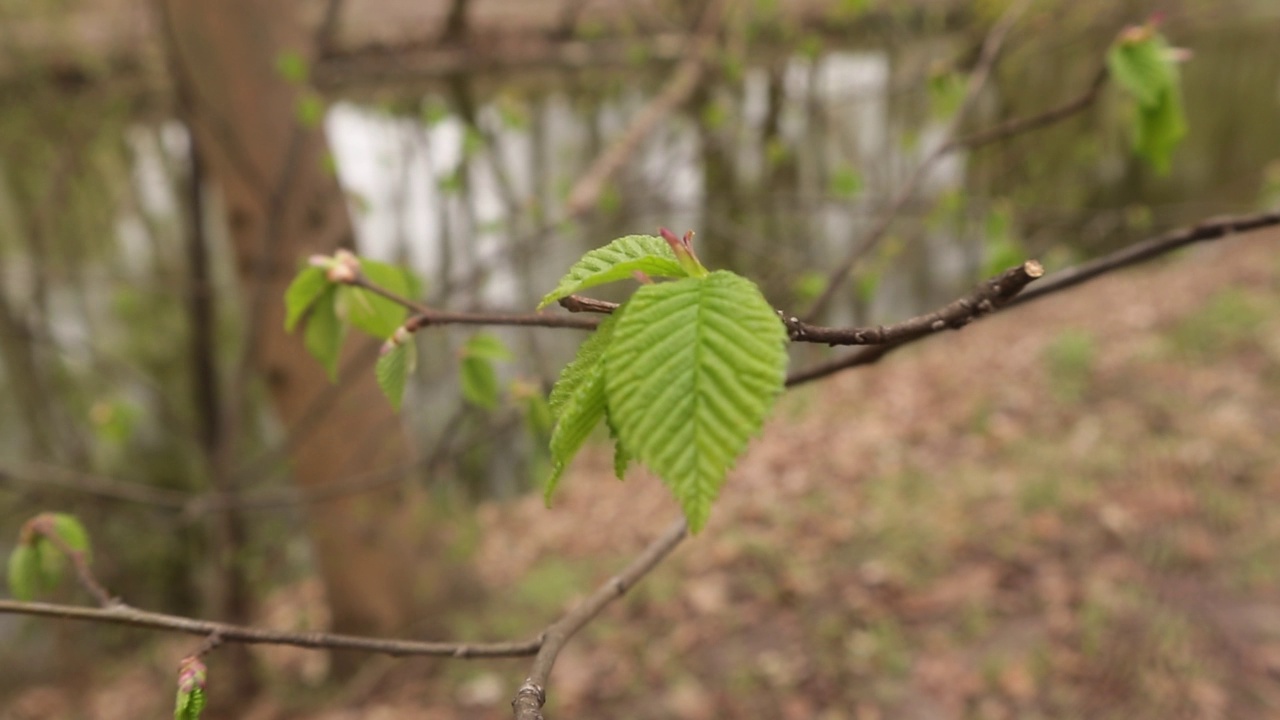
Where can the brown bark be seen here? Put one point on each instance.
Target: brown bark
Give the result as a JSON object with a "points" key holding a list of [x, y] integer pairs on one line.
{"points": [[283, 205]]}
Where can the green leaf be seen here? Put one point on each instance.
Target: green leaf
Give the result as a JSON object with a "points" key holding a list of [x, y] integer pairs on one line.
{"points": [[808, 286], [1144, 66], [72, 532], [310, 110], [1141, 65], [479, 382], [617, 261], [324, 332], [393, 370], [865, 285], [1159, 129], [578, 401], [621, 458], [372, 313], [1001, 249], [192, 680], [24, 572], [946, 93], [292, 66], [538, 417], [693, 368], [305, 289], [189, 705], [34, 568], [487, 346], [845, 182]]}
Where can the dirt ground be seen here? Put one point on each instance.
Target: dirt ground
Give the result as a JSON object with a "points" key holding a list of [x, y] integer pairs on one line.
{"points": [[1065, 511]]}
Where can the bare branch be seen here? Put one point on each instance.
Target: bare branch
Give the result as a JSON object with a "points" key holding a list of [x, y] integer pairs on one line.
{"points": [[586, 191], [533, 693], [986, 298], [426, 316], [580, 304], [977, 81], [327, 32], [1017, 126], [43, 525], [1204, 231], [121, 614], [1208, 230]]}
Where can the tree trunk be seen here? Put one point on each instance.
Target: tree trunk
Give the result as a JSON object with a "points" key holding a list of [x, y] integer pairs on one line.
{"points": [[282, 205]]}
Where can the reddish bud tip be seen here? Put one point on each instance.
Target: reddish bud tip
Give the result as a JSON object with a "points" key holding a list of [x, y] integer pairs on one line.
{"points": [[398, 338], [341, 273], [671, 239], [191, 674]]}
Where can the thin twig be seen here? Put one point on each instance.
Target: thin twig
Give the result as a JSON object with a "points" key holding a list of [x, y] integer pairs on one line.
{"points": [[1208, 230], [1204, 231], [977, 81], [586, 191], [327, 32], [1018, 126], [43, 525], [426, 317], [206, 647], [531, 696], [196, 505], [121, 614], [986, 298]]}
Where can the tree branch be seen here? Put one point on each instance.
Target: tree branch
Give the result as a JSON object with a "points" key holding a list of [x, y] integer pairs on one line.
{"points": [[1017, 126], [1203, 231], [986, 298], [532, 695], [426, 317], [44, 526], [1208, 230], [586, 191], [977, 81], [121, 614]]}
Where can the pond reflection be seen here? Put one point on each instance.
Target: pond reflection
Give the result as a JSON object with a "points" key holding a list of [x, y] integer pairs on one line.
{"points": [[780, 165]]}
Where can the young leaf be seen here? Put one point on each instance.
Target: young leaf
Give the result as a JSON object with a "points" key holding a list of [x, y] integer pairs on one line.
{"points": [[1140, 64], [488, 347], [1144, 66], [578, 401], [1159, 129], [479, 382], [24, 572], [192, 680], [617, 261], [34, 568], [372, 313], [292, 66], [303, 291], [537, 414], [189, 705], [324, 332], [393, 370], [691, 372], [621, 458], [71, 532]]}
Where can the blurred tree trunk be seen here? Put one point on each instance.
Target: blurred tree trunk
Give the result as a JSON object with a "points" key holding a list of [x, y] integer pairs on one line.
{"points": [[283, 204], [457, 23]]}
